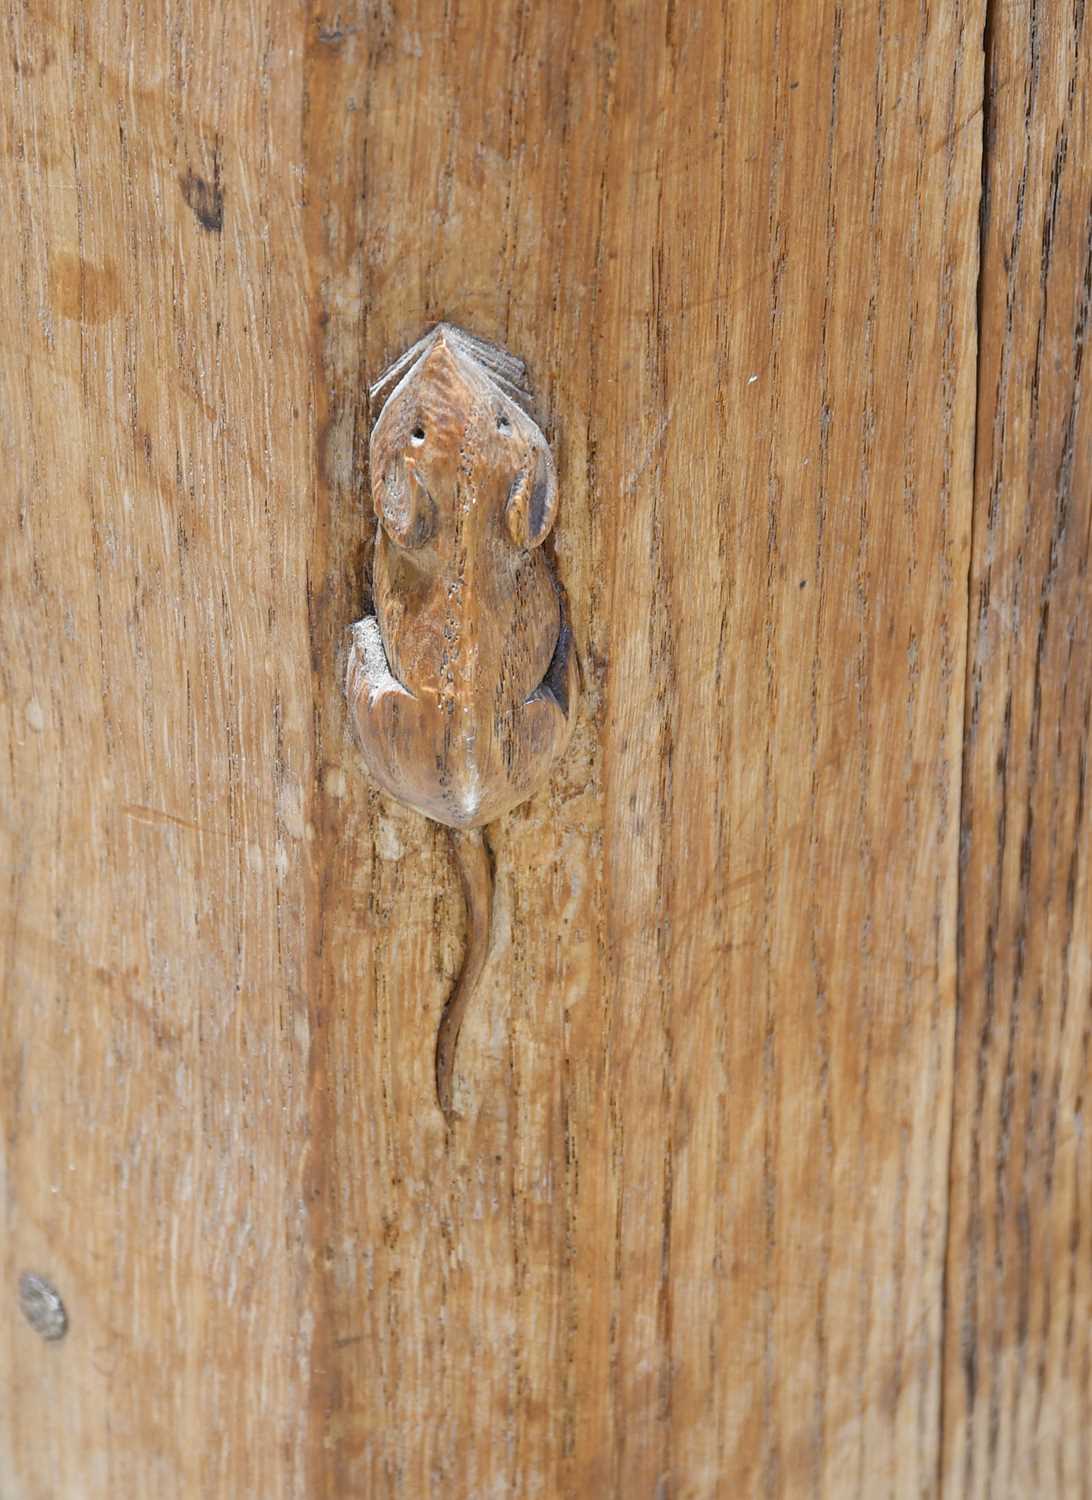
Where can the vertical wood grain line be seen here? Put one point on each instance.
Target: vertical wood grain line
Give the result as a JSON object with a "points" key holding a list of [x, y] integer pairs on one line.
{"points": [[968, 712]]}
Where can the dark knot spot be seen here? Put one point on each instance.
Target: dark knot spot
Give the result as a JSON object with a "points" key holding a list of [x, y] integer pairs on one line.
{"points": [[205, 198]]}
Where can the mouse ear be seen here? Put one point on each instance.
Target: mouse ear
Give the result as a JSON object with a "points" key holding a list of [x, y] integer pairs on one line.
{"points": [[532, 501], [404, 506]]}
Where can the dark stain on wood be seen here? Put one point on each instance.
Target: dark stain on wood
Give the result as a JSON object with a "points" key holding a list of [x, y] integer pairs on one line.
{"points": [[205, 198]]}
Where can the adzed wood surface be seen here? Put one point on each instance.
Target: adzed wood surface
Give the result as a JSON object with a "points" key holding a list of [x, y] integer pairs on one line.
{"points": [[771, 1176]]}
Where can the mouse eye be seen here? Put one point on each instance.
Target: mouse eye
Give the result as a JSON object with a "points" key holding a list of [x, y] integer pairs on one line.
{"points": [[503, 424], [417, 436]]}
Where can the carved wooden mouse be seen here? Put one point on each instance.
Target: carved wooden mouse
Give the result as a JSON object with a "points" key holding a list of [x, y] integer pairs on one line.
{"points": [[463, 684]]}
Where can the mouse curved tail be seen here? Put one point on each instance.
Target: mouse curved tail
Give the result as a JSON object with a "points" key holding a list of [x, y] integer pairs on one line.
{"points": [[474, 860]]}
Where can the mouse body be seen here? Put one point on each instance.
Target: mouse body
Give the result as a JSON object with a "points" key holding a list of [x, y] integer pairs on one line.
{"points": [[463, 683]]}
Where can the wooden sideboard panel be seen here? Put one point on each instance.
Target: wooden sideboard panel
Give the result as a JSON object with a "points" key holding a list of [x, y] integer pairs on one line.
{"points": [[789, 989]]}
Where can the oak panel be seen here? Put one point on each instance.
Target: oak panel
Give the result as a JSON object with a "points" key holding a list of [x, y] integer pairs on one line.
{"points": [[688, 1237], [157, 753], [1018, 1368]]}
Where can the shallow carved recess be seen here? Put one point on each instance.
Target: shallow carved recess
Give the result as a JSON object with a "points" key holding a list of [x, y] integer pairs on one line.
{"points": [[463, 683]]}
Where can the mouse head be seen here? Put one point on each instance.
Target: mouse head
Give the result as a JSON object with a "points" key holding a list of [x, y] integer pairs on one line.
{"points": [[453, 457]]}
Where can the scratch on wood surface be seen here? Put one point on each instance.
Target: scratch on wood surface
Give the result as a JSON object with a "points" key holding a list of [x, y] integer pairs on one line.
{"points": [[650, 452], [159, 815]]}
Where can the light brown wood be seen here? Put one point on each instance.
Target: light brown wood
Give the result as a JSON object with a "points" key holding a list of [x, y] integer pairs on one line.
{"points": [[1018, 1369], [690, 1240], [692, 1236], [158, 755]]}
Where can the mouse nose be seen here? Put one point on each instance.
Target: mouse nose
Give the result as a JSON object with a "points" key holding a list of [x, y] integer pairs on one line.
{"points": [[442, 398], [441, 363]]}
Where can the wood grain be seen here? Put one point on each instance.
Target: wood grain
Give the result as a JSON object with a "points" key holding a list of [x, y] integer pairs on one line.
{"points": [[1018, 1387], [157, 753], [691, 1238]]}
